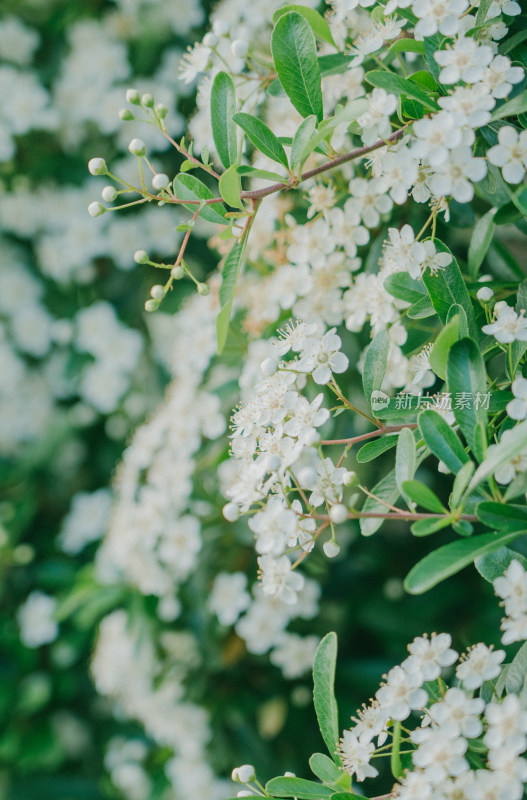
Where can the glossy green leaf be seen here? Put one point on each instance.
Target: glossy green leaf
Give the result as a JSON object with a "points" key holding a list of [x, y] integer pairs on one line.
{"points": [[517, 671], [506, 449], [334, 64], [441, 348], [297, 787], [467, 381], [262, 137], [494, 564], [385, 490], [294, 53], [301, 139], [324, 692], [231, 270], [319, 26], [447, 287], [461, 482], [425, 527], [480, 242], [423, 496], [188, 187], [375, 363], [452, 558], [421, 309], [371, 450], [324, 768], [518, 105], [407, 46], [251, 172], [400, 86], [230, 187], [502, 516], [222, 109], [441, 440], [405, 462], [403, 287]]}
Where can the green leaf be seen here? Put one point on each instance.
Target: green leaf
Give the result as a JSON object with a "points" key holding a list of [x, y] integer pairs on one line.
{"points": [[301, 139], [371, 450], [518, 348], [347, 796], [230, 187], [423, 496], [318, 24], [493, 565], [324, 692], [441, 348], [231, 270], [385, 490], [375, 363], [425, 527], [188, 187], [441, 440], [501, 516], [334, 64], [480, 242], [405, 461], [395, 757], [447, 287], [400, 86], [403, 287], [297, 787], [507, 448], [294, 53], [251, 172], [460, 483], [517, 671], [467, 377], [222, 109], [482, 11], [350, 112], [451, 558], [518, 105], [262, 137], [422, 309], [324, 768], [458, 311], [407, 46], [517, 487]]}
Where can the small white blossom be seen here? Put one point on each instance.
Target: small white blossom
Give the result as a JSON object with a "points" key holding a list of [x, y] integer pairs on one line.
{"points": [[480, 664], [510, 154], [355, 755], [517, 408], [508, 325]]}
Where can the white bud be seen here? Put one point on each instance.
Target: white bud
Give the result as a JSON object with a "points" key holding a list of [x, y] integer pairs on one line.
{"points": [[177, 273], [349, 477], [161, 110], [147, 100], [97, 166], [157, 291], [331, 548], [272, 462], [220, 27], [204, 289], [108, 194], [133, 97], [96, 209], [243, 774], [268, 367], [231, 512], [244, 793], [210, 40], [126, 115], [239, 48], [151, 305], [338, 513], [485, 294], [141, 257], [137, 147], [307, 477], [160, 181], [289, 775]]}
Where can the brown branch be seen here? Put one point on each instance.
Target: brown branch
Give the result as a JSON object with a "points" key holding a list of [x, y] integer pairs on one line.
{"points": [[408, 515], [371, 435]]}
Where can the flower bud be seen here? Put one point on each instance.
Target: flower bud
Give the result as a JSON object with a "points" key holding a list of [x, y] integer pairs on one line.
{"points": [[161, 110], [133, 97], [151, 305], [96, 209], [97, 166], [220, 27], [349, 477], [148, 100], [485, 294], [210, 40], [157, 291], [231, 512], [126, 115], [338, 513], [331, 548], [137, 147], [239, 48], [109, 194], [141, 257], [204, 289], [243, 774], [160, 181], [177, 273], [268, 367]]}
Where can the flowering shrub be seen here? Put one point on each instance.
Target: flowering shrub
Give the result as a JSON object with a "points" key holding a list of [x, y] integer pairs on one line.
{"points": [[353, 367]]}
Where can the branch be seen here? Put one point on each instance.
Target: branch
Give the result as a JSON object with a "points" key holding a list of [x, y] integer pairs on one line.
{"points": [[371, 435]]}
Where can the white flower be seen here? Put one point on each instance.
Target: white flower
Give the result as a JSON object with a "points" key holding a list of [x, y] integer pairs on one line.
{"points": [[517, 408], [454, 176], [355, 755], [509, 7], [480, 664], [435, 137], [512, 588], [499, 76], [294, 337], [376, 120], [322, 356], [194, 61], [35, 618], [464, 61], [508, 326], [369, 200], [459, 713], [429, 656], [438, 15], [434, 260], [370, 722], [306, 417], [440, 753], [273, 526], [510, 154], [278, 579], [402, 693], [325, 482], [229, 598], [402, 252], [470, 106], [507, 725], [294, 654]]}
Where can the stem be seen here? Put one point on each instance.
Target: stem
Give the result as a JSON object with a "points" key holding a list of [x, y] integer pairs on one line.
{"points": [[407, 515], [371, 435]]}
